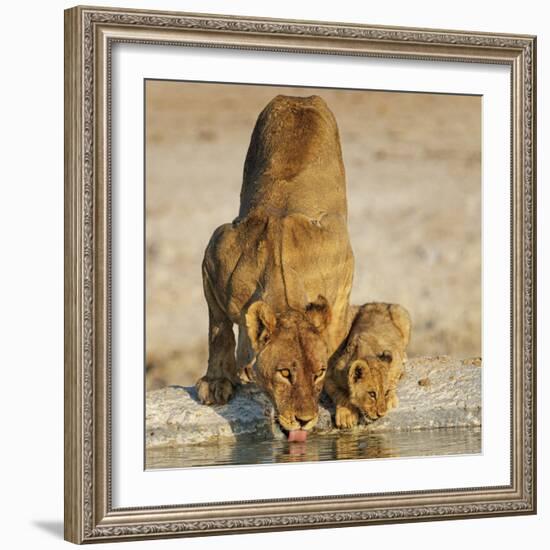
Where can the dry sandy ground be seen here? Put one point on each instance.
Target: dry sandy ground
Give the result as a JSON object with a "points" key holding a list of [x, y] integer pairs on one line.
{"points": [[414, 193]]}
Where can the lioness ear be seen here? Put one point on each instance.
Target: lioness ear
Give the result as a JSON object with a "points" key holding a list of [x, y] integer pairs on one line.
{"points": [[357, 371], [318, 313], [260, 324]]}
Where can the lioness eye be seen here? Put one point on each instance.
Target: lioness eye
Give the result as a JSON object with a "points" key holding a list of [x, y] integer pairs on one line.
{"points": [[387, 393], [285, 373], [372, 394]]}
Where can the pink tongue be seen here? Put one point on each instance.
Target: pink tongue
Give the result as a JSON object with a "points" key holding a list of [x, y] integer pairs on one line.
{"points": [[297, 435]]}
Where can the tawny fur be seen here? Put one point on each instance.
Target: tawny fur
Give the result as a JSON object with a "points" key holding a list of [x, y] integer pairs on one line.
{"points": [[363, 374], [282, 271]]}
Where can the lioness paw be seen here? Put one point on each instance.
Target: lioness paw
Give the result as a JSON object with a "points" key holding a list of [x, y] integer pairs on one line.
{"points": [[214, 391], [346, 417]]}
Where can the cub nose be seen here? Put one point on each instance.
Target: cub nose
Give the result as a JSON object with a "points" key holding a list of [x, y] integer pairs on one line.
{"points": [[304, 420]]}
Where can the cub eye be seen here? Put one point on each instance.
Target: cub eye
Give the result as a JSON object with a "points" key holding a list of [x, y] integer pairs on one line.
{"points": [[372, 394], [284, 373], [320, 374], [387, 393]]}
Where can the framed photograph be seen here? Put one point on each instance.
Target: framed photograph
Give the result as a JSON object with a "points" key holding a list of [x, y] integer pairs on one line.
{"points": [[299, 274]]}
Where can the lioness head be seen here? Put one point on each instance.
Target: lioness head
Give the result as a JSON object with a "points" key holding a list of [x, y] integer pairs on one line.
{"points": [[290, 359], [371, 388]]}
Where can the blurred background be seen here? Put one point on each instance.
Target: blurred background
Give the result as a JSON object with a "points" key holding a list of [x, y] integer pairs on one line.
{"points": [[413, 166]]}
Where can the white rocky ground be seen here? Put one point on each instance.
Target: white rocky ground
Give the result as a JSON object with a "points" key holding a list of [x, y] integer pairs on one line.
{"points": [[435, 392]]}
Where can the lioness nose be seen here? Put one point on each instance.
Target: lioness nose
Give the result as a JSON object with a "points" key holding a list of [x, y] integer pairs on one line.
{"points": [[304, 420]]}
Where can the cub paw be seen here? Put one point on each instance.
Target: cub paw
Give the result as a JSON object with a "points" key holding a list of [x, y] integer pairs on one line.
{"points": [[346, 417], [214, 391], [392, 401]]}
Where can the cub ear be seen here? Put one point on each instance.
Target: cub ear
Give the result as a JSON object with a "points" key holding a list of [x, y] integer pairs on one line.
{"points": [[260, 324], [318, 313], [402, 320], [357, 371]]}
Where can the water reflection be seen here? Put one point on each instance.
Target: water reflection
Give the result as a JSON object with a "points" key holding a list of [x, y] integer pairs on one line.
{"points": [[337, 446]]}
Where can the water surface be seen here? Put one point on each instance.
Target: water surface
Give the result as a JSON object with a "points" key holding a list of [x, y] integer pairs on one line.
{"points": [[351, 445]]}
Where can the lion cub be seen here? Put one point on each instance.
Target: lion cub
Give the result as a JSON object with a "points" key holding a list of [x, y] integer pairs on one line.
{"points": [[363, 374]]}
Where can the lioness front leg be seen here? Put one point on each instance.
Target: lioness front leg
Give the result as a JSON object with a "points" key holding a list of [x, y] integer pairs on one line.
{"points": [[216, 386]]}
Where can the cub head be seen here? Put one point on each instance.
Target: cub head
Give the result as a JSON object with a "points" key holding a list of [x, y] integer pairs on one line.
{"points": [[371, 363], [371, 387], [290, 359]]}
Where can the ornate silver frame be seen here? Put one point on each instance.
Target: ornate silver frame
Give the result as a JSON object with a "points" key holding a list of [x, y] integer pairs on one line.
{"points": [[89, 36]]}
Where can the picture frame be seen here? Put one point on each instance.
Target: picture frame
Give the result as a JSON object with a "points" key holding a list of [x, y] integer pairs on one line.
{"points": [[90, 35]]}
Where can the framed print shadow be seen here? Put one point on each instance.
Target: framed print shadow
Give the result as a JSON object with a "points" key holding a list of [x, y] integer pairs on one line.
{"points": [[299, 274]]}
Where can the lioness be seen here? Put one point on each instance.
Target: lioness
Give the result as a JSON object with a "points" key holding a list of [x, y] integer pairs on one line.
{"points": [[363, 375], [282, 271]]}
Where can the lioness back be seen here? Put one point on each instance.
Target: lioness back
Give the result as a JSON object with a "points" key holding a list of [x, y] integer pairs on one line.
{"points": [[294, 161]]}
